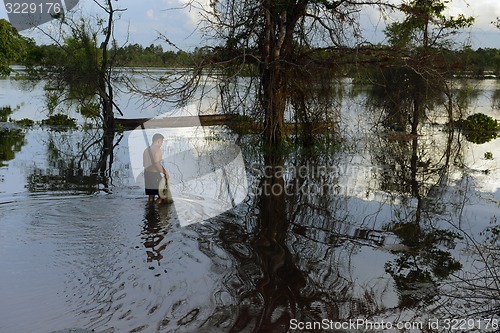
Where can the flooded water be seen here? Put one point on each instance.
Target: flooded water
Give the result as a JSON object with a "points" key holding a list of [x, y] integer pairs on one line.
{"points": [[382, 232]]}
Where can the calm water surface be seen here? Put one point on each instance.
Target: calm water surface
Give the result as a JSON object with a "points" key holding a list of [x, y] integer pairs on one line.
{"points": [[383, 228]]}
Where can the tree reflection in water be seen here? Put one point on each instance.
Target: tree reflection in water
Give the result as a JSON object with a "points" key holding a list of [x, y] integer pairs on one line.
{"points": [[11, 142], [294, 260], [78, 162], [276, 298], [418, 174], [11, 139], [294, 253], [297, 250]]}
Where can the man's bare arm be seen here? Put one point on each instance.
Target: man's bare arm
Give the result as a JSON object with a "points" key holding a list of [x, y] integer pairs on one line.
{"points": [[158, 158]]}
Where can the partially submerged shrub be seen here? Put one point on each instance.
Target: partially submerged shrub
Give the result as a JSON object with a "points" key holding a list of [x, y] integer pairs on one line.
{"points": [[90, 110], [60, 120], [480, 122], [25, 122], [480, 128]]}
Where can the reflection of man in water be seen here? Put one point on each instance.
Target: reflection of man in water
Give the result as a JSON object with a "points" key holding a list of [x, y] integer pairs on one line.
{"points": [[155, 229], [153, 169]]}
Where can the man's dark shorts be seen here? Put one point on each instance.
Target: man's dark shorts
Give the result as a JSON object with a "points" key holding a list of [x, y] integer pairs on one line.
{"points": [[152, 180]]}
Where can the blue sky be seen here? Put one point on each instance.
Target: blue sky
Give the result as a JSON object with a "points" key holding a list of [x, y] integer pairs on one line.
{"points": [[144, 20]]}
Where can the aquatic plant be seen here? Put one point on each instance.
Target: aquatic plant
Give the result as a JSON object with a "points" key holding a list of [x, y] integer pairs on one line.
{"points": [[479, 128], [25, 122], [480, 122], [60, 120]]}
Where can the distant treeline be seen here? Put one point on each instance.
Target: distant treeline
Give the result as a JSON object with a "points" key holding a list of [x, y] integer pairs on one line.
{"points": [[478, 62], [483, 60], [154, 55], [132, 55]]}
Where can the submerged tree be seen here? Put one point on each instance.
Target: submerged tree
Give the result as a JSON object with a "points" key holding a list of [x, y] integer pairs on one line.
{"points": [[278, 58], [418, 74], [80, 68], [289, 44]]}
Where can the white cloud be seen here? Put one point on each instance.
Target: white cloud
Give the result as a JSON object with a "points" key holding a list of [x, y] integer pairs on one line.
{"points": [[150, 14], [192, 9], [484, 11], [178, 19]]}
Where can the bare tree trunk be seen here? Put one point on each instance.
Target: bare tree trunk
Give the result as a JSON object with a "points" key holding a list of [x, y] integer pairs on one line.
{"points": [[105, 88], [107, 107], [274, 102], [277, 46]]}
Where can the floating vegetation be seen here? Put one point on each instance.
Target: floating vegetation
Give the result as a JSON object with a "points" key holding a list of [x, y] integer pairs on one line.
{"points": [[479, 128], [60, 120], [25, 122]]}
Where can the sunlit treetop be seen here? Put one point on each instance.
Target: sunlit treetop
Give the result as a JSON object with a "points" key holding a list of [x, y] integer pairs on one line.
{"points": [[426, 25]]}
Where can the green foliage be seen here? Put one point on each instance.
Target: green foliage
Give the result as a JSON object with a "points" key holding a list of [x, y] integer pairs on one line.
{"points": [[421, 63], [51, 99], [5, 112], [90, 109], [43, 55], [480, 122], [12, 47], [60, 120], [73, 71], [243, 124], [482, 60], [136, 55], [493, 236], [11, 142], [25, 122], [479, 128], [426, 25], [76, 67], [422, 263]]}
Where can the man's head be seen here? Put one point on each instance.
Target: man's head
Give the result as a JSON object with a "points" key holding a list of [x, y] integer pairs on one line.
{"points": [[158, 139]]}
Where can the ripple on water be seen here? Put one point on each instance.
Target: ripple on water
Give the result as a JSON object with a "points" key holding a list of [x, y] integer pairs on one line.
{"points": [[107, 262]]}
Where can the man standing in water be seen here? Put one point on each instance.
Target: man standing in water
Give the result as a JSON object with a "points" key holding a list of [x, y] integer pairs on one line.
{"points": [[153, 168]]}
